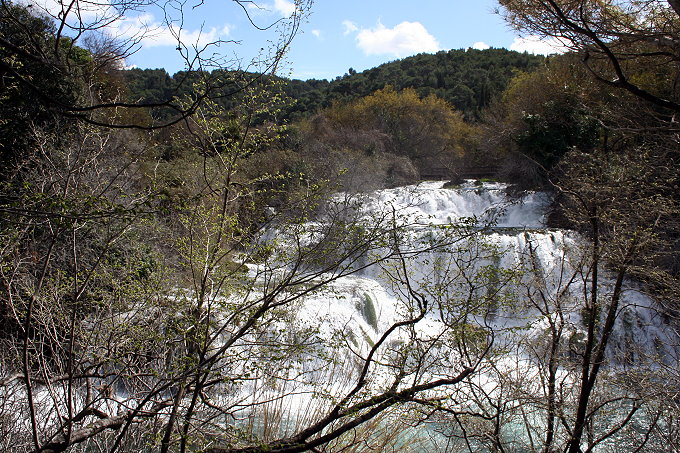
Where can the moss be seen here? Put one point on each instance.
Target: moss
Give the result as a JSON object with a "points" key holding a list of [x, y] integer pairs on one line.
{"points": [[367, 309], [369, 341], [451, 185]]}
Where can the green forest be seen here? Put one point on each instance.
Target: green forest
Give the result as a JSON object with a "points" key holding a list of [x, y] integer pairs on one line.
{"points": [[160, 234], [466, 79]]}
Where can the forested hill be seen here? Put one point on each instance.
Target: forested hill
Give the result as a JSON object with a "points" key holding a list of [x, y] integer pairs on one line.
{"points": [[468, 79]]}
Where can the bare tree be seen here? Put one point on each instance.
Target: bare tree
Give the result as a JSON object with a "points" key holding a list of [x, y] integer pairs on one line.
{"points": [[614, 38], [132, 329], [50, 37]]}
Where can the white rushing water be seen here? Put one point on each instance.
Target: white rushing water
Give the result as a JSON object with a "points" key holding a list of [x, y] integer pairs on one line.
{"points": [[503, 272], [430, 202], [516, 239], [413, 285]]}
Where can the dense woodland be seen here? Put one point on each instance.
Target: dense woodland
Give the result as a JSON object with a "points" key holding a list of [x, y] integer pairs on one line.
{"points": [[132, 203], [466, 79]]}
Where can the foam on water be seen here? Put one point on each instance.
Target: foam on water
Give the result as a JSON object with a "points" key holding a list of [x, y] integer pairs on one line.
{"points": [[508, 254], [430, 202], [520, 241]]}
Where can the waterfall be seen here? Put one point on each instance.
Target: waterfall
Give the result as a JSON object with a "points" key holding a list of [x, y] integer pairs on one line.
{"points": [[512, 238], [486, 266], [385, 292]]}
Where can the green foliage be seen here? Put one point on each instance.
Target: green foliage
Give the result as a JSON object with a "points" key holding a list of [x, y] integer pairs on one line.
{"points": [[229, 90], [467, 79], [558, 128], [149, 85], [32, 90], [367, 309]]}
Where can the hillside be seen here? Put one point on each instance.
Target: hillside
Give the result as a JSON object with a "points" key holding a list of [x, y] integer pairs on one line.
{"points": [[467, 79]]}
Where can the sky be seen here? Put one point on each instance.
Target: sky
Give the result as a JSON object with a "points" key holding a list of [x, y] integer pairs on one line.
{"points": [[365, 34], [334, 36]]}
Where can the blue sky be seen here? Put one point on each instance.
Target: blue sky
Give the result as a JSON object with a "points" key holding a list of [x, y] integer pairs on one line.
{"points": [[364, 34], [335, 36]]}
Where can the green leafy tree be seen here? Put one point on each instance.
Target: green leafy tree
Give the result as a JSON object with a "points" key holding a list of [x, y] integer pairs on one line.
{"points": [[24, 109], [426, 130], [467, 79]]}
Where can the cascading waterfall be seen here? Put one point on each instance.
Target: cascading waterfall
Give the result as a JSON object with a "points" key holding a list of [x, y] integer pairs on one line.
{"points": [[504, 261], [515, 229], [430, 281]]}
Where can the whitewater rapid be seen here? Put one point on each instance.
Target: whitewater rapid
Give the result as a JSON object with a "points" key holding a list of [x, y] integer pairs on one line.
{"points": [[475, 268], [487, 203], [512, 237], [487, 275]]}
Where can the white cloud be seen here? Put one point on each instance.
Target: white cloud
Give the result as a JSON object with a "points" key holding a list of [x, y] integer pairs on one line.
{"points": [[481, 45], [98, 12], [143, 28], [256, 9], [350, 27], [152, 33], [536, 45], [284, 7], [317, 33], [406, 38]]}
